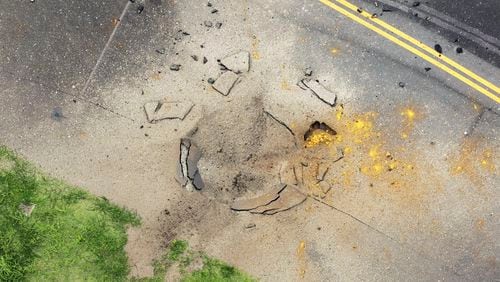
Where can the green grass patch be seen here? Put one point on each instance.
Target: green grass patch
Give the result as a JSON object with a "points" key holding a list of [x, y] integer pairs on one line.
{"points": [[210, 270], [70, 234]]}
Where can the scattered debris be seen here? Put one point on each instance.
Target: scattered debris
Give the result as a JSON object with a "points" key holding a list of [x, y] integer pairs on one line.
{"points": [[319, 91], [427, 69], [175, 67], [237, 63], [459, 50], [211, 80], [140, 8], [205, 60], [161, 51], [438, 48], [250, 225], [209, 4], [27, 209], [225, 82], [195, 58], [218, 25], [159, 110], [401, 84], [214, 11], [208, 23], [188, 174], [308, 72]]}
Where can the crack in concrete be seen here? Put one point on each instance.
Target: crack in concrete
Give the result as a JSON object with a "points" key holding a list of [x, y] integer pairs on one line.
{"points": [[106, 47]]}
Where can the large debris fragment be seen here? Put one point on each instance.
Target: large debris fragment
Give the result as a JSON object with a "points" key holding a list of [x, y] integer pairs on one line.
{"points": [[281, 198], [27, 209], [225, 82], [188, 174], [159, 110], [238, 62], [287, 199], [262, 200], [319, 91]]}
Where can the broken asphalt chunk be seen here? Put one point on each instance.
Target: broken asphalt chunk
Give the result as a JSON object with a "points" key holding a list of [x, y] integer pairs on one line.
{"points": [[262, 200], [159, 110], [175, 67], [188, 174], [225, 82], [319, 91], [238, 62]]}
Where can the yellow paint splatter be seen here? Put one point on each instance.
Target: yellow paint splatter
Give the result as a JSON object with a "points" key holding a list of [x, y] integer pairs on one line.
{"points": [[334, 51], [340, 112], [319, 137], [409, 115], [255, 48], [301, 257], [473, 159]]}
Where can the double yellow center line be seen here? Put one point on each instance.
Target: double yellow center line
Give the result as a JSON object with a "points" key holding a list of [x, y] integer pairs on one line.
{"points": [[432, 56]]}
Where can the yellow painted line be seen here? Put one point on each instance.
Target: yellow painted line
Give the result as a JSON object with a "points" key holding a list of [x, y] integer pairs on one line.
{"points": [[412, 50], [422, 46]]}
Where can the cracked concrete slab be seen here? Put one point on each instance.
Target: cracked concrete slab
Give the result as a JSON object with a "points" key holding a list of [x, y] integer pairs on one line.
{"points": [[237, 62], [225, 82], [160, 110]]}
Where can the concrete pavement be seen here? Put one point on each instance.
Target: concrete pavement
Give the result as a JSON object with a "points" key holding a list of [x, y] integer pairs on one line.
{"points": [[439, 224]]}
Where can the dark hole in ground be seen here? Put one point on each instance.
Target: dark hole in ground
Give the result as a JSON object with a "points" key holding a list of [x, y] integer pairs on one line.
{"points": [[319, 126]]}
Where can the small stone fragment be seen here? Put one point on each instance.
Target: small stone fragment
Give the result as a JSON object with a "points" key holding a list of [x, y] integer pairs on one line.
{"points": [[158, 110], [427, 69], [210, 80], [308, 72], [205, 60], [250, 225], [195, 58], [175, 67], [27, 209], [225, 82], [401, 84], [415, 4], [459, 50], [218, 25], [438, 48], [238, 62], [140, 8], [209, 4], [161, 51], [208, 23], [320, 91], [214, 11]]}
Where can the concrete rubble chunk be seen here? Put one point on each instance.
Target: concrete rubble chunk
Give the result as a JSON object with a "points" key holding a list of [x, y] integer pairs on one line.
{"points": [[238, 62], [319, 91], [286, 174], [27, 209], [159, 110], [225, 82], [188, 175], [262, 200], [288, 198], [322, 171]]}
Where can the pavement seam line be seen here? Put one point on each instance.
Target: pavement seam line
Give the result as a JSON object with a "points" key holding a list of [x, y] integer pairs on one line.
{"points": [[421, 45], [412, 50], [106, 47]]}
